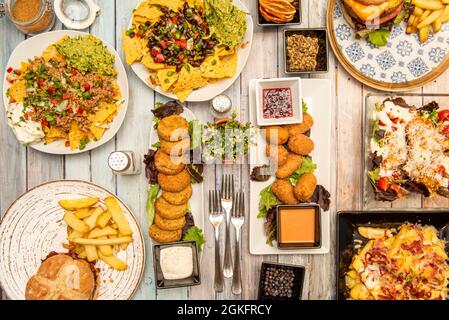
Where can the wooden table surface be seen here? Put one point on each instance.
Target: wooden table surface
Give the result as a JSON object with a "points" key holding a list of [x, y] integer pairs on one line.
{"points": [[22, 168]]}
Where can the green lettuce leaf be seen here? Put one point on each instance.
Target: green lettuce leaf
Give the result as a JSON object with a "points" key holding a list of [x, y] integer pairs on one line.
{"points": [[195, 234], [156, 145], [379, 37], [304, 107], [195, 131], [153, 190], [374, 175], [307, 166], [267, 201]]}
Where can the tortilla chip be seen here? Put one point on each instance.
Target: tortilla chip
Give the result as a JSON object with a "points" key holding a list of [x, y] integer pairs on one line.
{"points": [[148, 62], [212, 68], [54, 133], [222, 52], [97, 131], [75, 136], [147, 12], [167, 77], [193, 3], [104, 112], [174, 5], [230, 65], [17, 91], [189, 79], [134, 48], [182, 95], [51, 53]]}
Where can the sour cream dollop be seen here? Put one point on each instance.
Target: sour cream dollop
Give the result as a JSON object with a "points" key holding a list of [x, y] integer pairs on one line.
{"points": [[26, 130], [176, 262]]}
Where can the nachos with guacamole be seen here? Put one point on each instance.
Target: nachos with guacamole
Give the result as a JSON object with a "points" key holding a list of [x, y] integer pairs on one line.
{"points": [[185, 44], [69, 94]]}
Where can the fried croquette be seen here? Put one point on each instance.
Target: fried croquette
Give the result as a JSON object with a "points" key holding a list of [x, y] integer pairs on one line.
{"points": [[178, 198], [301, 144], [169, 224], [176, 148], [299, 128], [277, 154], [169, 211], [166, 164], [283, 190], [174, 183], [305, 187], [159, 235], [293, 163], [276, 135], [173, 128]]}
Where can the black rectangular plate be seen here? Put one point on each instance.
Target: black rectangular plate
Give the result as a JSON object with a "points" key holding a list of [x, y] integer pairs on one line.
{"points": [[349, 221]]}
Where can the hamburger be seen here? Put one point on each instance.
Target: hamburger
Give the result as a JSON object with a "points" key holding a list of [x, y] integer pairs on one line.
{"points": [[63, 276], [375, 18]]}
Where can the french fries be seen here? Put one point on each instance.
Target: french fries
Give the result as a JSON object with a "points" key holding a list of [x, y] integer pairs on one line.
{"points": [[427, 15], [94, 233]]}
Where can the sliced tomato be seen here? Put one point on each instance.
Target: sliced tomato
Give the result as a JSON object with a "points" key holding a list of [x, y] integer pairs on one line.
{"points": [[384, 183], [385, 18], [443, 115], [159, 58]]}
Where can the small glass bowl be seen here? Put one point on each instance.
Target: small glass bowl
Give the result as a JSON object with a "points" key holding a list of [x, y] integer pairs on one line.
{"points": [[161, 282]]}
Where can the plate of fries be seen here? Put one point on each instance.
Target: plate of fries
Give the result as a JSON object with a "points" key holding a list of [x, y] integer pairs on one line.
{"points": [[408, 53], [77, 217]]}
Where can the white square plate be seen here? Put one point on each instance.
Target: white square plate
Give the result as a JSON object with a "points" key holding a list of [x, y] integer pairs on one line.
{"points": [[294, 84], [318, 98]]}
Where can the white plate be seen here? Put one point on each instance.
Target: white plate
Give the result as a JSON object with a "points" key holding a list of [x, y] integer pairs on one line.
{"points": [[213, 89], [34, 46], [196, 201], [317, 95], [33, 227]]}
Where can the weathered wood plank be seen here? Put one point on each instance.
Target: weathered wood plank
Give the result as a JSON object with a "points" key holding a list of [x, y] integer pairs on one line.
{"points": [[134, 135]]}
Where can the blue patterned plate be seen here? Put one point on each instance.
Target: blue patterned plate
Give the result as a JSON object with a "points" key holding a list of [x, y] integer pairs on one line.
{"points": [[403, 64]]}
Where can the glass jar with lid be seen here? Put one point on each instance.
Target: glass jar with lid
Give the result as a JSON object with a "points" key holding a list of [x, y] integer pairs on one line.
{"points": [[29, 16]]}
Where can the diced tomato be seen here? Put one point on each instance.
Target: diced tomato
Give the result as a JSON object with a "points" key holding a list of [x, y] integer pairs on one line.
{"points": [[394, 128], [65, 96], [26, 115], [9, 70], [18, 72], [384, 183], [139, 34], [10, 80], [175, 20], [155, 51], [395, 120], [443, 115], [12, 100], [40, 82], [445, 130], [442, 170], [198, 19], [54, 101], [159, 58], [182, 43], [80, 111], [381, 123], [163, 44], [44, 122], [70, 110], [74, 72], [67, 143], [181, 57], [51, 91], [86, 86]]}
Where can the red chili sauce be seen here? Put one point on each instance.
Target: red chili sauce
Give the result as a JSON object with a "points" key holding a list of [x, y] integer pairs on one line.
{"points": [[277, 103]]}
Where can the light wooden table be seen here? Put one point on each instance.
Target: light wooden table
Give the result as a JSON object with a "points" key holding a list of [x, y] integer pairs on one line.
{"points": [[22, 168]]}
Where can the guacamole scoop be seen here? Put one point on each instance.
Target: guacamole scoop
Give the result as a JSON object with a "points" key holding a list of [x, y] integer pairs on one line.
{"points": [[87, 54], [226, 21]]}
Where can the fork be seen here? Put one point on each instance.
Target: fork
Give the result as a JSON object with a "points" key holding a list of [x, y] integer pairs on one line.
{"points": [[227, 192], [237, 220], [216, 218]]}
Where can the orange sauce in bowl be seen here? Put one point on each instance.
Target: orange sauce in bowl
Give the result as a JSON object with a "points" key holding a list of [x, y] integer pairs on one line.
{"points": [[298, 227]]}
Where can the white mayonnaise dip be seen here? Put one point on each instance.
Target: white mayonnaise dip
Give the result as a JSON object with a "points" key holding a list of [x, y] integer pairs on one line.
{"points": [[176, 262], [26, 131]]}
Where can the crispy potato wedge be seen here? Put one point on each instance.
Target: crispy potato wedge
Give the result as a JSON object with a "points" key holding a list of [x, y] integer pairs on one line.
{"points": [[103, 219], [113, 262], [100, 242], [91, 220], [76, 204], [91, 252], [98, 233], [118, 216], [75, 223], [83, 213]]}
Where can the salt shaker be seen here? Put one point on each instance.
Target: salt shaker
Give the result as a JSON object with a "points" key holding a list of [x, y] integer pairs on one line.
{"points": [[124, 163], [220, 106]]}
